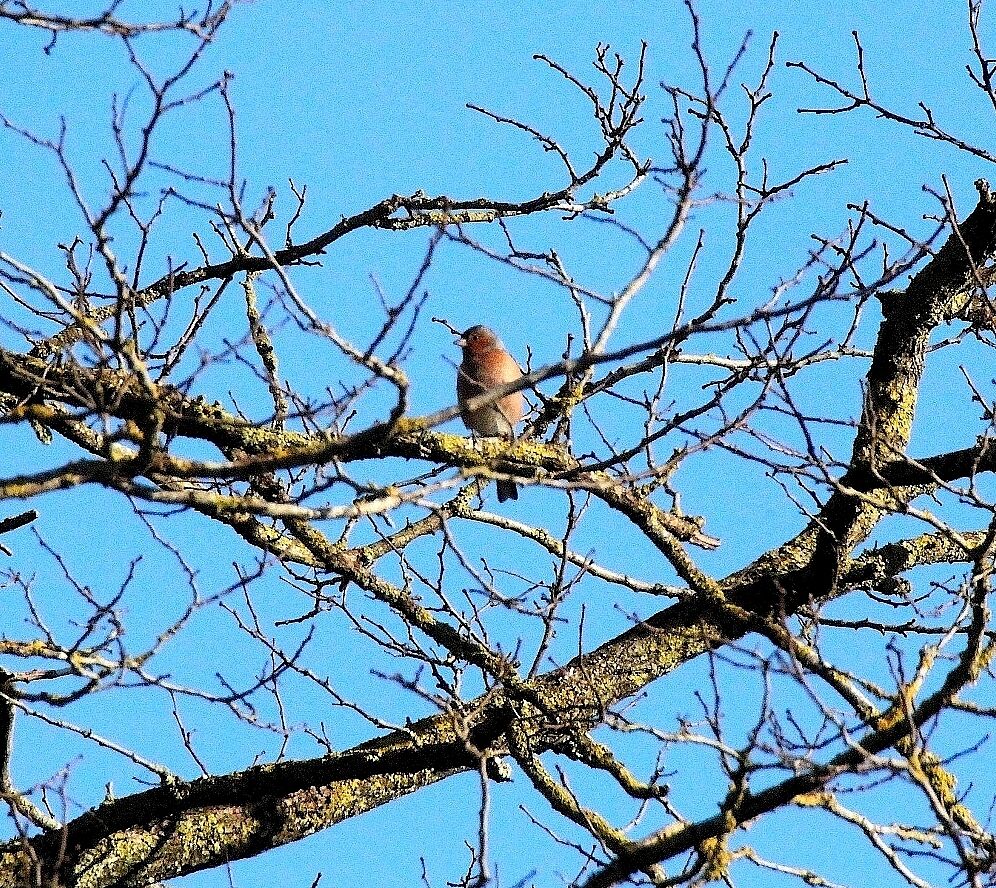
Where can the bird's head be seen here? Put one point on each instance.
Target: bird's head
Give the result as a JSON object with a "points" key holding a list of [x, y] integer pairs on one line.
{"points": [[478, 339]]}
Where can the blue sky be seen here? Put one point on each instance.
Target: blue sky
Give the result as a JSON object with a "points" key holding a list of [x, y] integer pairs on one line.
{"points": [[369, 99]]}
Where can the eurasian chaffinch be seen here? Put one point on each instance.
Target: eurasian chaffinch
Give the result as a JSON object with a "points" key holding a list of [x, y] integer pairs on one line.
{"points": [[486, 365]]}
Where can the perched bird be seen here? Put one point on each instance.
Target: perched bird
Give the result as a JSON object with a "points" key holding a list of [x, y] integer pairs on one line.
{"points": [[486, 365]]}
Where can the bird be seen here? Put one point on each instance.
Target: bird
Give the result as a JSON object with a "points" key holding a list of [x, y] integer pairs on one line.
{"points": [[486, 365]]}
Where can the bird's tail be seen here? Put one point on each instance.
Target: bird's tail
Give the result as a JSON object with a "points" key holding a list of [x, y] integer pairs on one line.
{"points": [[507, 490]]}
